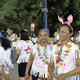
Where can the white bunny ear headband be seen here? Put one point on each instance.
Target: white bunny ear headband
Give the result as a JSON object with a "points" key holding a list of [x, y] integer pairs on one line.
{"points": [[70, 19]]}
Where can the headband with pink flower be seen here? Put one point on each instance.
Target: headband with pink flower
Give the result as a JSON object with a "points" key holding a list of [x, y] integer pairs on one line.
{"points": [[70, 19]]}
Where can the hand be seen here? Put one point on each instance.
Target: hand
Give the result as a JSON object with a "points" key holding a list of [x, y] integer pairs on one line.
{"points": [[27, 76], [50, 77], [61, 77], [77, 57]]}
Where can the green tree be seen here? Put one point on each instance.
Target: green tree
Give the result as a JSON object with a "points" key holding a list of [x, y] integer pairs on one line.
{"points": [[63, 8], [20, 13]]}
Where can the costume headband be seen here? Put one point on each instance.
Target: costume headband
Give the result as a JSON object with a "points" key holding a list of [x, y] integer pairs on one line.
{"points": [[2, 36], [70, 19]]}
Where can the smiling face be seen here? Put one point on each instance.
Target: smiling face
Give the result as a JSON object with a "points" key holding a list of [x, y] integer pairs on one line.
{"points": [[43, 35], [64, 33]]}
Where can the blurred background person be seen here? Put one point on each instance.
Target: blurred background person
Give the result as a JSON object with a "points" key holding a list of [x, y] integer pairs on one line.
{"points": [[23, 53], [5, 53], [32, 28], [14, 39], [56, 35], [34, 39]]}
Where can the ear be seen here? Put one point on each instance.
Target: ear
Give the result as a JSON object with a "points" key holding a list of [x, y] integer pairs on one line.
{"points": [[70, 19], [71, 34], [60, 19]]}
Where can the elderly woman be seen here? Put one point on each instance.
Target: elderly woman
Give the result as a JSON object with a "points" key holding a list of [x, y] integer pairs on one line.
{"points": [[40, 57], [65, 55]]}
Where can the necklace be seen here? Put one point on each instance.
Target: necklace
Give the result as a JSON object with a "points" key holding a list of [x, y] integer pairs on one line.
{"points": [[45, 57], [59, 53]]}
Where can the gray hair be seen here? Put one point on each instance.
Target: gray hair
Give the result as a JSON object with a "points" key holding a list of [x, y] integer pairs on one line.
{"points": [[43, 30]]}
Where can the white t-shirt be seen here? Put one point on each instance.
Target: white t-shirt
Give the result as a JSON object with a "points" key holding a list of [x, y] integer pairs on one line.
{"points": [[25, 49], [40, 63], [5, 57], [13, 37], [56, 34], [34, 39], [68, 62], [78, 38]]}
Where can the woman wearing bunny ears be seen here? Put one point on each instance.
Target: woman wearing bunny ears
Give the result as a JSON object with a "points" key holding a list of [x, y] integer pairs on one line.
{"points": [[65, 55]]}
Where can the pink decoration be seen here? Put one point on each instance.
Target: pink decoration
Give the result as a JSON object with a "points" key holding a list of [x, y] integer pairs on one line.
{"points": [[60, 19], [70, 19]]}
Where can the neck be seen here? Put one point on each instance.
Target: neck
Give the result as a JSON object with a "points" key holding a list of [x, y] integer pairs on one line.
{"points": [[65, 42], [27, 41], [43, 44]]}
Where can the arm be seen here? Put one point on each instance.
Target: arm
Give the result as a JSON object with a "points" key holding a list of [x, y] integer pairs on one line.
{"points": [[17, 53], [50, 70], [50, 67], [68, 74], [77, 69], [30, 61], [73, 72], [9, 53], [15, 38]]}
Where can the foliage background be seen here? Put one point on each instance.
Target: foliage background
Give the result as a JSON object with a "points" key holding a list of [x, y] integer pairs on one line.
{"points": [[20, 13]]}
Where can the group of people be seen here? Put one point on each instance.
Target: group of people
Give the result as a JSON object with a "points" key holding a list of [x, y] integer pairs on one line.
{"points": [[43, 59]]}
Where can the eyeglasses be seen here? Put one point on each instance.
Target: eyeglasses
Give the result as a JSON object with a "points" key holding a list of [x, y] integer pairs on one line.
{"points": [[63, 32]]}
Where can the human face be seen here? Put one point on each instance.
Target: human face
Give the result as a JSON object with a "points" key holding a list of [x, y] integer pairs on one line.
{"points": [[64, 33], [43, 36], [11, 31]]}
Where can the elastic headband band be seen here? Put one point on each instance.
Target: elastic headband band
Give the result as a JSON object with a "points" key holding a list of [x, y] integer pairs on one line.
{"points": [[69, 26], [2, 36]]}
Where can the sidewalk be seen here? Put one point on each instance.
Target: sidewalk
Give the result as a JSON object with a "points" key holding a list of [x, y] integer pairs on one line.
{"points": [[13, 73]]}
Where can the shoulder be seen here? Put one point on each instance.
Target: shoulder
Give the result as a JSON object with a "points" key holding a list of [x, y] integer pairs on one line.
{"points": [[34, 46], [9, 49], [74, 45], [30, 41], [21, 41]]}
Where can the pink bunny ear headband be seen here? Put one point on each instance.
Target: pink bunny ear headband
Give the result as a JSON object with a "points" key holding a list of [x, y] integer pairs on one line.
{"points": [[70, 19]]}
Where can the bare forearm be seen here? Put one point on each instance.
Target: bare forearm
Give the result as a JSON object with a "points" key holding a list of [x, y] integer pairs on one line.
{"points": [[14, 40], [50, 67], [73, 72], [30, 61]]}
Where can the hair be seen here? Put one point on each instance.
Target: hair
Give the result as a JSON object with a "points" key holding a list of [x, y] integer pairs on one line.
{"points": [[5, 43], [43, 30], [70, 30], [24, 35], [13, 30]]}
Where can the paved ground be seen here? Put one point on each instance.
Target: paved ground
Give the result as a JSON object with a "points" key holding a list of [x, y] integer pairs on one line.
{"points": [[13, 73]]}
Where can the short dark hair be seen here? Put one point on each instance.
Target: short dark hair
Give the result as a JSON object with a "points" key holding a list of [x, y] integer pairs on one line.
{"points": [[13, 30], [5, 43], [24, 35]]}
